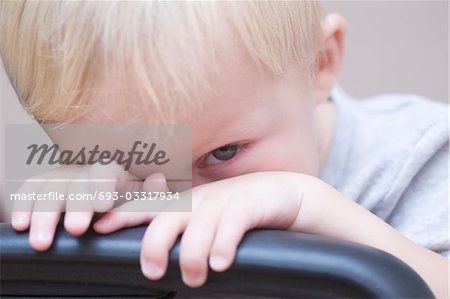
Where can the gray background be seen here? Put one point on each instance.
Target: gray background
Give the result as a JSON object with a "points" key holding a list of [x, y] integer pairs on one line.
{"points": [[392, 47], [395, 46]]}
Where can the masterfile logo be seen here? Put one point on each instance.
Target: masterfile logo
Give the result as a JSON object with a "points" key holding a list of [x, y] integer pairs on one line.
{"points": [[94, 162], [145, 154]]}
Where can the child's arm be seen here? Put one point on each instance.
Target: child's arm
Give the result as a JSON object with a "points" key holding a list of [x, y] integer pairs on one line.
{"points": [[344, 219], [224, 210]]}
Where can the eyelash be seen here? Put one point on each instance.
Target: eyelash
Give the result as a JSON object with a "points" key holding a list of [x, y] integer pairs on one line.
{"points": [[240, 148]]}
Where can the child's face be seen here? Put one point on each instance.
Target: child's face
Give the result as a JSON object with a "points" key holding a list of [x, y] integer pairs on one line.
{"points": [[255, 122], [269, 123]]}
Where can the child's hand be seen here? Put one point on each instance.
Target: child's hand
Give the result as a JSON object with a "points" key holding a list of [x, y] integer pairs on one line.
{"points": [[42, 217], [222, 212]]}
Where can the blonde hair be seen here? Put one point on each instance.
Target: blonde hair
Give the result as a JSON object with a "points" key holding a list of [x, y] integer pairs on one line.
{"points": [[57, 53]]}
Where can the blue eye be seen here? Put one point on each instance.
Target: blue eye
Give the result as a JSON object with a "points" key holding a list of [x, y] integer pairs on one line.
{"points": [[222, 154]]}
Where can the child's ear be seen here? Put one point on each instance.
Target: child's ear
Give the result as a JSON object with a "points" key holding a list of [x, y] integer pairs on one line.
{"points": [[330, 56]]}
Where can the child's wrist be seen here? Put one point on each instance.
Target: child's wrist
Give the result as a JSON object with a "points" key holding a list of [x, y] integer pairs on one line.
{"points": [[325, 211]]}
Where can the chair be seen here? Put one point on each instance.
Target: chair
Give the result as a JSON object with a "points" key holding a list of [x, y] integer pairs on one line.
{"points": [[269, 264]]}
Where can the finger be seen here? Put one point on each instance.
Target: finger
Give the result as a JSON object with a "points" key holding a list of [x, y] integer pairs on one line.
{"points": [[159, 238], [79, 213], [128, 183], [128, 214], [228, 237], [155, 182], [45, 217], [103, 179], [124, 216], [197, 241], [21, 210]]}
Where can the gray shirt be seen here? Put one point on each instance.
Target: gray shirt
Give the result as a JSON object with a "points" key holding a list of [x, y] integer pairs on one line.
{"points": [[390, 154]]}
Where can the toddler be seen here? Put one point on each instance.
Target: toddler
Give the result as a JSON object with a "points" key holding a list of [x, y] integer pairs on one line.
{"points": [[275, 144]]}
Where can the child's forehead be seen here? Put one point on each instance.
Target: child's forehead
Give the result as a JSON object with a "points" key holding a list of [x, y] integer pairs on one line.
{"points": [[233, 81]]}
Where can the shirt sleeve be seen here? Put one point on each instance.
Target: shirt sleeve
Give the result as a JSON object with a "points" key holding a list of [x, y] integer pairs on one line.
{"points": [[422, 211]]}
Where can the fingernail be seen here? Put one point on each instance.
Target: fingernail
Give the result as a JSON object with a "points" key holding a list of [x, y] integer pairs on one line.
{"points": [[192, 279], [18, 221], [158, 177], [152, 270], [42, 237], [40, 240], [218, 263]]}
